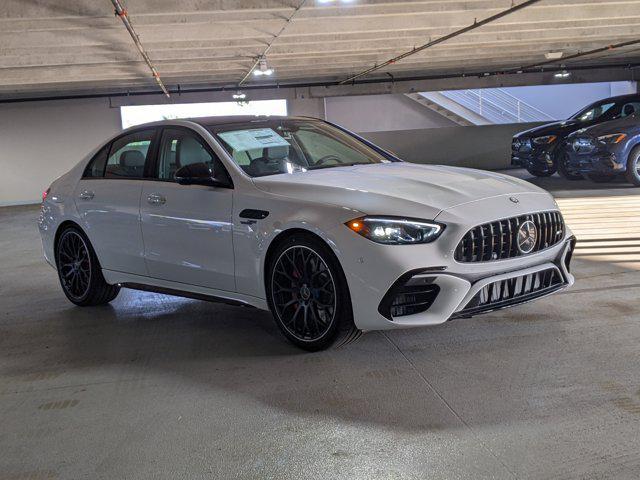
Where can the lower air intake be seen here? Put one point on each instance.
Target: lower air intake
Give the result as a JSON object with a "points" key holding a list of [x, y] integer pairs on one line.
{"points": [[513, 291], [408, 297]]}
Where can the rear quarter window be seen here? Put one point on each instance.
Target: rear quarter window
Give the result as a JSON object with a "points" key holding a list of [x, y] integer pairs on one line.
{"points": [[95, 167]]}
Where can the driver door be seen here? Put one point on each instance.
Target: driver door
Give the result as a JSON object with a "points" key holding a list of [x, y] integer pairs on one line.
{"points": [[187, 229]]}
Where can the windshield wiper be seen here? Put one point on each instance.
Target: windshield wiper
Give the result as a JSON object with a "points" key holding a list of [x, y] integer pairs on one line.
{"points": [[339, 165]]}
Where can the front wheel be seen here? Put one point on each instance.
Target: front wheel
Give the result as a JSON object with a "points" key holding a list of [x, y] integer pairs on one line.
{"points": [[541, 173], [633, 167], [308, 294], [566, 174], [79, 271]]}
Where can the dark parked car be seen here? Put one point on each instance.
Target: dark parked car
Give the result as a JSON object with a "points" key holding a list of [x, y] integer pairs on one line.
{"points": [[605, 150], [541, 150]]}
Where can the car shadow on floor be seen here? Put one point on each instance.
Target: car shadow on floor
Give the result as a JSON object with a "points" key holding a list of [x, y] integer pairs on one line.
{"points": [[213, 347]]}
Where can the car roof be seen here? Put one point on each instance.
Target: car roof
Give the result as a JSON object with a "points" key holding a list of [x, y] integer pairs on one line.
{"points": [[618, 98], [231, 119]]}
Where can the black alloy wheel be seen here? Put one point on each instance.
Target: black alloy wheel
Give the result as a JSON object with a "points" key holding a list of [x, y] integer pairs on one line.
{"points": [[541, 173], [74, 264], [308, 295], [304, 293], [79, 270], [633, 167], [563, 172]]}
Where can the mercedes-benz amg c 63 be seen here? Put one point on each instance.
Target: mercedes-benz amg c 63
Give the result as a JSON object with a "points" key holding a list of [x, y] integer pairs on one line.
{"points": [[331, 233]]}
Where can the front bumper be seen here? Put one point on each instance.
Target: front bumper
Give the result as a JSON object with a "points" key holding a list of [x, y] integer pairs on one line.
{"points": [[599, 161], [372, 270], [533, 157]]}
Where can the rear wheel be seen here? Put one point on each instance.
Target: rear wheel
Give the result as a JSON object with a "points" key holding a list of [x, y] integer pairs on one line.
{"points": [[308, 294], [633, 167], [79, 271], [564, 173]]}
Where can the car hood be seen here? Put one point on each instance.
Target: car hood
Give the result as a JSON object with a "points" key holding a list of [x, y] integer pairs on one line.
{"points": [[564, 127], [398, 188], [620, 125]]}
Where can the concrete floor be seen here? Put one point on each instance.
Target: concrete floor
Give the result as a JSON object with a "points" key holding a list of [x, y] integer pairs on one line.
{"points": [[160, 387]]}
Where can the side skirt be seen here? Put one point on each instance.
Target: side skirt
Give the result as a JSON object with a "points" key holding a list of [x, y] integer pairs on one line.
{"points": [[157, 285]]}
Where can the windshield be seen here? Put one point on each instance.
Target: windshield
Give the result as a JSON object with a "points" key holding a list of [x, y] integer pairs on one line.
{"points": [[273, 146], [606, 110]]}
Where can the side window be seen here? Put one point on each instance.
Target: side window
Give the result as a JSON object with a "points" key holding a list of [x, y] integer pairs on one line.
{"points": [[631, 108], [179, 148], [95, 168], [128, 155]]}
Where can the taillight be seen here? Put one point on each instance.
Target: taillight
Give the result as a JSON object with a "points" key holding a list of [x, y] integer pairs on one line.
{"points": [[45, 194]]}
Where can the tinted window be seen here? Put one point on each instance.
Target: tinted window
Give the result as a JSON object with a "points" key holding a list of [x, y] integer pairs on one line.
{"points": [[128, 154], [631, 108], [95, 168], [179, 148], [595, 112], [607, 110]]}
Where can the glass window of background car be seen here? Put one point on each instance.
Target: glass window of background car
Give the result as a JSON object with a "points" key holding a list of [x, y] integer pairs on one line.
{"points": [[307, 145], [595, 112], [630, 108], [95, 168], [128, 155], [179, 148]]}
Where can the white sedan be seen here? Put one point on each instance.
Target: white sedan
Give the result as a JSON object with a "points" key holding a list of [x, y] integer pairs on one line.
{"points": [[334, 235]]}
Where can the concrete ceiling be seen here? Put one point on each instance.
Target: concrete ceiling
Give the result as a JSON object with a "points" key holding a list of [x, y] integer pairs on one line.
{"points": [[55, 47]]}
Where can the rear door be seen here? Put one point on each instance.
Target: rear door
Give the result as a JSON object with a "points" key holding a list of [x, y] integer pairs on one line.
{"points": [[187, 229], [108, 201]]}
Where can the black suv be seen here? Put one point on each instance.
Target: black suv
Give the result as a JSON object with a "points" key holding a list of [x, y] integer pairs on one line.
{"points": [[541, 149]]}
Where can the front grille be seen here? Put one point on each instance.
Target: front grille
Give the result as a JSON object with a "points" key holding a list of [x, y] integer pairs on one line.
{"points": [[408, 295], [499, 240], [583, 145], [513, 291], [521, 145]]}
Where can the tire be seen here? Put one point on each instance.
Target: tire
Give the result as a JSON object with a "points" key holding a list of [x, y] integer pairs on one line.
{"points": [[79, 271], [540, 173], [599, 178], [562, 170], [308, 295], [633, 167]]}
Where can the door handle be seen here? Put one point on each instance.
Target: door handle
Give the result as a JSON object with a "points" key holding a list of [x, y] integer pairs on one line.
{"points": [[86, 195], [155, 199]]}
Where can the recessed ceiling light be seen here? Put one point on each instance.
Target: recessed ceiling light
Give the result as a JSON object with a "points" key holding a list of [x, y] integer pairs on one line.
{"points": [[553, 55], [562, 74]]}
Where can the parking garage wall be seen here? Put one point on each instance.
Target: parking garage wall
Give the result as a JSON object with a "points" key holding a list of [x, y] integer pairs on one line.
{"points": [[486, 147], [39, 141]]}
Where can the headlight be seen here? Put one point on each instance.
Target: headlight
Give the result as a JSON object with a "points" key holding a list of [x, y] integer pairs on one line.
{"points": [[546, 140], [612, 138], [395, 230]]}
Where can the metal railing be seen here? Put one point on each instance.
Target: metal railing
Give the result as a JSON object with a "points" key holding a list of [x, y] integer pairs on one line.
{"points": [[497, 106]]}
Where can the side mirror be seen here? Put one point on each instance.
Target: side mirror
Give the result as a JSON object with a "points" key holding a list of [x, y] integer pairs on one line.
{"points": [[199, 174]]}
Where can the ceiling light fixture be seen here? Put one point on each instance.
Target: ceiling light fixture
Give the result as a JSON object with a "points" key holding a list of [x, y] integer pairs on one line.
{"points": [[553, 55], [262, 68], [562, 74], [239, 95]]}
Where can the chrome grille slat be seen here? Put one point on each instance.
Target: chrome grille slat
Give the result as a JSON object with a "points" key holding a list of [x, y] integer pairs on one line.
{"points": [[498, 240]]}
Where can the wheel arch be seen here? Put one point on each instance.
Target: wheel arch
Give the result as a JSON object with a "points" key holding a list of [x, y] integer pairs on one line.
{"points": [[283, 236], [633, 149], [61, 228]]}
